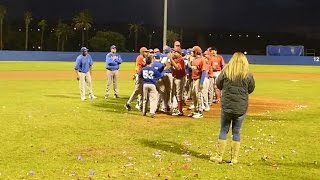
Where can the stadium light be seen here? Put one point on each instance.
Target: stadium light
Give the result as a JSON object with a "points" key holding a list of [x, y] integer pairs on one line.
{"points": [[165, 21]]}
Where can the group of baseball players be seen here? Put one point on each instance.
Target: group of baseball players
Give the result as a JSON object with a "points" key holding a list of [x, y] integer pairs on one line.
{"points": [[167, 80]]}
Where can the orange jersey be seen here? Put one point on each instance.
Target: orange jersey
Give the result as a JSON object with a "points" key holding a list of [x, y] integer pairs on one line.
{"points": [[201, 66], [180, 72], [140, 63], [218, 63]]}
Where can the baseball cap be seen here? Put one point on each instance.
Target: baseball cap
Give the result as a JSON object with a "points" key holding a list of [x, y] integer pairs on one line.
{"points": [[184, 52], [167, 49], [143, 49], [83, 49], [157, 55], [113, 47], [197, 49], [178, 50]]}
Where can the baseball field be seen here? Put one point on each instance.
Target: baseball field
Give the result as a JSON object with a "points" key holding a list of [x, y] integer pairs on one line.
{"points": [[47, 132]]}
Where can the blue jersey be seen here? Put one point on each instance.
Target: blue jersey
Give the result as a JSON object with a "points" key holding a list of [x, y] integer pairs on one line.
{"points": [[158, 66], [188, 69], [113, 61], [83, 63], [149, 75]]}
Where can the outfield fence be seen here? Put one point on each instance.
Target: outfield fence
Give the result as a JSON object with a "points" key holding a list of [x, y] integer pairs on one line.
{"points": [[130, 57]]}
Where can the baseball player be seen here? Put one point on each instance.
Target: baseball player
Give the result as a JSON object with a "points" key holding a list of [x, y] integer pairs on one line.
{"points": [[149, 76], [167, 80], [82, 68], [211, 90], [206, 84], [188, 85], [160, 85], [140, 63], [218, 64], [179, 78], [113, 60], [199, 74]]}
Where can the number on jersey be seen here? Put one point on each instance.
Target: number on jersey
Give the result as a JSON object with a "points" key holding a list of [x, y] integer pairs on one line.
{"points": [[147, 74]]}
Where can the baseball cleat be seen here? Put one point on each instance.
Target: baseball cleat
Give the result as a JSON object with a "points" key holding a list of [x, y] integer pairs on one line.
{"points": [[127, 106], [197, 116], [207, 109], [191, 107], [92, 97]]}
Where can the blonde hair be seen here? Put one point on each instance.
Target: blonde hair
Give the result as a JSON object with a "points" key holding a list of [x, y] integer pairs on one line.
{"points": [[238, 67]]}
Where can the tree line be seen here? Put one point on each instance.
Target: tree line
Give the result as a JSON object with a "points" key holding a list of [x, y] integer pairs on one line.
{"points": [[81, 25]]}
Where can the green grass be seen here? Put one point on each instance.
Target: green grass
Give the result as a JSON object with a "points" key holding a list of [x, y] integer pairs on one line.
{"points": [[46, 129], [52, 66]]}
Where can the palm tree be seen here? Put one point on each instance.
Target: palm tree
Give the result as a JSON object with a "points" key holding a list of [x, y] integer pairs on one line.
{"points": [[172, 36], [3, 12], [83, 21], [42, 24], [27, 20], [135, 28], [57, 33], [64, 31]]}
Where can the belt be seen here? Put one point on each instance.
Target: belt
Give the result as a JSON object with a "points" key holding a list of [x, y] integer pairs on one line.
{"points": [[112, 69]]}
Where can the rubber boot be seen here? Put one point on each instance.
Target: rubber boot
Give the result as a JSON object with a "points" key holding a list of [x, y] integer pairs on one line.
{"points": [[221, 148], [235, 147]]}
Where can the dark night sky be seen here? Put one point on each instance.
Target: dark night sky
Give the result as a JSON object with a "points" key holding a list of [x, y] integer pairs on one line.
{"points": [[245, 15]]}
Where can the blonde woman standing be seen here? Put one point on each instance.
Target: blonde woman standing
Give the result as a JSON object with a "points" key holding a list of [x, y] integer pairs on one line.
{"points": [[236, 84]]}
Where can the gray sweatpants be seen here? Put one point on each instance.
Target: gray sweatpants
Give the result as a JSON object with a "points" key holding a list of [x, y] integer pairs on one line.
{"points": [[197, 96], [137, 90], [112, 76], [178, 88], [85, 82], [205, 93], [211, 90], [150, 93]]}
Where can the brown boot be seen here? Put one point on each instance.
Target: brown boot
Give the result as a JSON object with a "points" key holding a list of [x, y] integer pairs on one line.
{"points": [[235, 147], [221, 148]]}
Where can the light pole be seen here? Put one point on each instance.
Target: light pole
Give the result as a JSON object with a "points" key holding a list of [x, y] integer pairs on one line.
{"points": [[165, 21]]}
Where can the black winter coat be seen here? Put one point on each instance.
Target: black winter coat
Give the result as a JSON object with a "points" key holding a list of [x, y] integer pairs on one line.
{"points": [[234, 98]]}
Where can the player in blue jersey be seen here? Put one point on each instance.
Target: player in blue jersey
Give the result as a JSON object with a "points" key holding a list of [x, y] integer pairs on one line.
{"points": [[113, 60], [149, 76], [82, 67]]}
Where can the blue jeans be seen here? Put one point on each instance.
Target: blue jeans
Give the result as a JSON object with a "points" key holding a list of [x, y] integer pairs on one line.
{"points": [[226, 120]]}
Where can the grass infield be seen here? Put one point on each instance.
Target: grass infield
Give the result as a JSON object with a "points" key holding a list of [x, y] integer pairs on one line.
{"points": [[48, 133]]}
